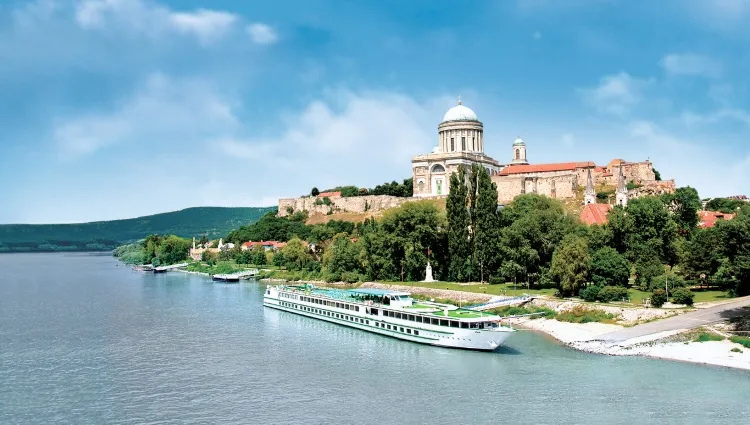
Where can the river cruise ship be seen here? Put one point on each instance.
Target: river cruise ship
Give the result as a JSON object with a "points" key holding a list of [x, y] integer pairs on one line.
{"points": [[394, 314]]}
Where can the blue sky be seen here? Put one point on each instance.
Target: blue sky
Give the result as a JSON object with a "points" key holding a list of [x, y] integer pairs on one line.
{"points": [[120, 108]]}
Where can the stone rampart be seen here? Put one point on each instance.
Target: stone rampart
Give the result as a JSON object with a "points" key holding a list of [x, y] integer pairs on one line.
{"points": [[354, 204]]}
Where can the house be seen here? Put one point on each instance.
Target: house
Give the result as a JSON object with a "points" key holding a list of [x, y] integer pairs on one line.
{"points": [[708, 219], [267, 245], [595, 214]]}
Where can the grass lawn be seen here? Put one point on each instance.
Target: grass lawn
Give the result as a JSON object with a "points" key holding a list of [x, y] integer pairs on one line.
{"points": [[637, 296], [499, 289]]}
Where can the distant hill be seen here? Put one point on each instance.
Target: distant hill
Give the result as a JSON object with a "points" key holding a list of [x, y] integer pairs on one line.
{"points": [[106, 235]]}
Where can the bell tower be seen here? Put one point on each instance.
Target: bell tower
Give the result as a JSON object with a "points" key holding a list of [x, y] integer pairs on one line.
{"points": [[519, 152]]}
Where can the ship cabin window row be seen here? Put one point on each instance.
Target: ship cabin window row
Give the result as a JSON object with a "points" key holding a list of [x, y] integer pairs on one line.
{"points": [[326, 313], [344, 306], [396, 328], [435, 321]]}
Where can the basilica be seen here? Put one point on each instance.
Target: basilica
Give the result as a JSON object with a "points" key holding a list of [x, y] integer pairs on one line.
{"points": [[461, 141]]}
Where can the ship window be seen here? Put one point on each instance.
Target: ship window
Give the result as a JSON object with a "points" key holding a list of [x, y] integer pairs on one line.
{"points": [[401, 329], [436, 322], [416, 332], [419, 319], [443, 323], [411, 317], [356, 308], [464, 325], [367, 322], [408, 331], [388, 326], [454, 324]]}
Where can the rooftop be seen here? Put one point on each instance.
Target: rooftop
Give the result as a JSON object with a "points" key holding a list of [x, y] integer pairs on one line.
{"points": [[376, 292], [545, 168]]}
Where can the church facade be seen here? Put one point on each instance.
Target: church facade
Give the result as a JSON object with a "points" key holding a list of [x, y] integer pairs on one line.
{"points": [[461, 141]]}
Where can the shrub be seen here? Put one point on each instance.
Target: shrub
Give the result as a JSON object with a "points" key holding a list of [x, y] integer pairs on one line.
{"points": [[590, 293], [735, 350], [581, 314], [612, 293], [742, 340], [682, 296], [496, 280], [705, 337], [658, 298], [521, 310], [350, 277]]}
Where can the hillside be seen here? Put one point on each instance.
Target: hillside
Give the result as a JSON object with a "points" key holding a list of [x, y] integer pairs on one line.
{"points": [[105, 235]]}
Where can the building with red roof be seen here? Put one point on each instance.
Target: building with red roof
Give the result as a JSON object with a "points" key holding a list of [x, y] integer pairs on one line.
{"points": [[708, 219]]}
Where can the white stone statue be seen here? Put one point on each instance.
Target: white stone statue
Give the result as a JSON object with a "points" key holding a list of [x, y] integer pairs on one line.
{"points": [[428, 273]]}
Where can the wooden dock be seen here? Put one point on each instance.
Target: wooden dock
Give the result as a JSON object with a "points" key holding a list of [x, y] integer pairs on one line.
{"points": [[235, 277]]}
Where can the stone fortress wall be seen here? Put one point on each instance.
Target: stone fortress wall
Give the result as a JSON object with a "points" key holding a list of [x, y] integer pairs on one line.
{"points": [[354, 204], [562, 186]]}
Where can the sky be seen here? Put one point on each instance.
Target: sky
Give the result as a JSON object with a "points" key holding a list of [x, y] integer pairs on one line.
{"points": [[120, 108]]}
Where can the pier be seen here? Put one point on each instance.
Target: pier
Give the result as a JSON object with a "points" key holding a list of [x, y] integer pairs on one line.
{"points": [[163, 269], [235, 277], [502, 302]]}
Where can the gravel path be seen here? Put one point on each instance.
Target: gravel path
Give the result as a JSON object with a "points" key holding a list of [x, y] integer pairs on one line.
{"points": [[690, 320]]}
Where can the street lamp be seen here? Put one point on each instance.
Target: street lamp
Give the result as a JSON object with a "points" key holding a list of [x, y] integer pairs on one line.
{"points": [[666, 280]]}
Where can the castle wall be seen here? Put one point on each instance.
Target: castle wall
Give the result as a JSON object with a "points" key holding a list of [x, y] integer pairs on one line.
{"points": [[355, 204], [559, 186]]}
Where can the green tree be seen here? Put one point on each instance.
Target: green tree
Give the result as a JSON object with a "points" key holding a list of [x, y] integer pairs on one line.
{"points": [[658, 298], [297, 254], [682, 296], [684, 203], [459, 244], [570, 265], [278, 259], [245, 257], [209, 257], [314, 191], [725, 205], [702, 255], [735, 236], [258, 257], [608, 267], [342, 255], [486, 224]]}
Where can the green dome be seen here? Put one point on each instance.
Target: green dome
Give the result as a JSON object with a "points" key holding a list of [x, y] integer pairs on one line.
{"points": [[519, 142]]}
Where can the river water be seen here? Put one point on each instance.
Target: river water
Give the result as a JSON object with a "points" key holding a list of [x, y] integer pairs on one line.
{"points": [[84, 339]]}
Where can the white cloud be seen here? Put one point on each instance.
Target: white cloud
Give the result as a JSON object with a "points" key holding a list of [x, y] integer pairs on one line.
{"points": [[261, 33], [713, 170], [616, 94], [691, 64], [207, 25], [153, 20], [163, 111], [727, 16], [724, 114], [329, 141]]}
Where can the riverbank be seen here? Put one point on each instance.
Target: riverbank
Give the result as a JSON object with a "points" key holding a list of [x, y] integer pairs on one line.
{"points": [[677, 345]]}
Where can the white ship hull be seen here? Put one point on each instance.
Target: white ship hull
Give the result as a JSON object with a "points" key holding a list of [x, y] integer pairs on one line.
{"points": [[472, 339]]}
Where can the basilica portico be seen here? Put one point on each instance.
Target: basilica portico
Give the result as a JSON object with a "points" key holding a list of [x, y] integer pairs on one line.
{"points": [[460, 141]]}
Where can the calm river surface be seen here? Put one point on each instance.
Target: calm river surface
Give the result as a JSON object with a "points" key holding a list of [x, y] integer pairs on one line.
{"points": [[84, 339]]}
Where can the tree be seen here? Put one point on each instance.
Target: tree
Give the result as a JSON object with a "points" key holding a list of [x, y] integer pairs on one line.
{"points": [[245, 257], [459, 246], [682, 296], [209, 257], [608, 267], [342, 255], [486, 223], [314, 191], [702, 255], [657, 175], [725, 205], [684, 203], [297, 254], [735, 236], [658, 298], [258, 256], [278, 259], [570, 265]]}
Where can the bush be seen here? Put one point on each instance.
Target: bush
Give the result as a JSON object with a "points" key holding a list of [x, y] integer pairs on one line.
{"points": [[590, 293], [658, 298], [705, 337], [675, 281], [496, 280], [581, 314], [612, 293], [682, 296], [742, 340], [350, 277]]}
